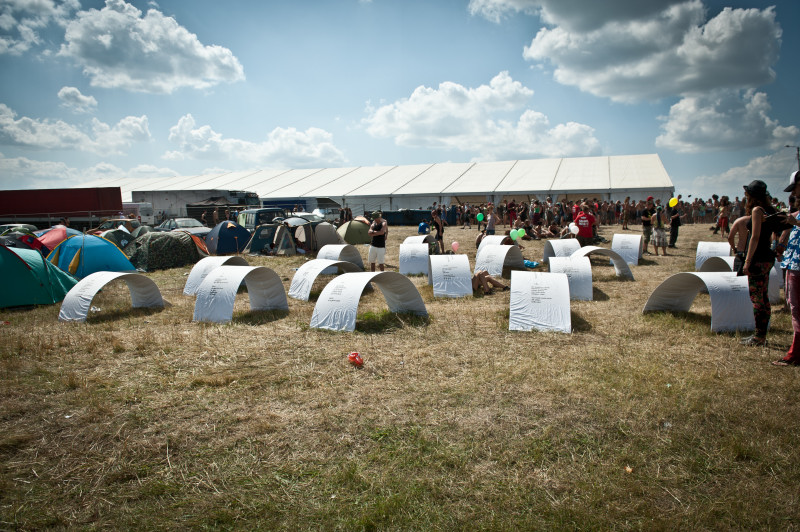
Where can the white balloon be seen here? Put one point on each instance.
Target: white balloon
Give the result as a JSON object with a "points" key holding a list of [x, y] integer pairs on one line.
{"points": [[573, 228]]}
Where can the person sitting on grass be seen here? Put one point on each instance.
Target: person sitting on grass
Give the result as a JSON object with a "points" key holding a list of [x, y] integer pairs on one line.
{"points": [[481, 278]]}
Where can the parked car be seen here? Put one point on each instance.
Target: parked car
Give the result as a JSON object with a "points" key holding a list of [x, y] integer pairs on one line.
{"points": [[189, 225], [17, 227], [330, 215], [114, 223], [252, 218]]}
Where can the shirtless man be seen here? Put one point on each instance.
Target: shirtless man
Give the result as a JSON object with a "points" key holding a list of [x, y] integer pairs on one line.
{"points": [[737, 238]]}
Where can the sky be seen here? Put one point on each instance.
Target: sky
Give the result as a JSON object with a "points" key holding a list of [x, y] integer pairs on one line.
{"points": [[93, 89]]}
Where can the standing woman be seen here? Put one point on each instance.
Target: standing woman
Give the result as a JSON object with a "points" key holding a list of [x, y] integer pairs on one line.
{"points": [[490, 220], [791, 264], [760, 258]]}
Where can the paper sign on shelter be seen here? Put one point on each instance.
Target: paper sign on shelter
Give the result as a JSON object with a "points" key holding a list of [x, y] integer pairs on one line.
{"points": [[539, 301]]}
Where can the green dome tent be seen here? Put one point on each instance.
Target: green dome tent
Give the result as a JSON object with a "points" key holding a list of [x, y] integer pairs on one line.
{"points": [[30, 279], [354, 232]]}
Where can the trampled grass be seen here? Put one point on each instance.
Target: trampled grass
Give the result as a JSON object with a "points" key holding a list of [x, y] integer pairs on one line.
{"points": [[144, 419]]}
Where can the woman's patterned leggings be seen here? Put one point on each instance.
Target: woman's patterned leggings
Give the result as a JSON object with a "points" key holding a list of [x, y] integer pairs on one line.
{"points": [[758, 281]]}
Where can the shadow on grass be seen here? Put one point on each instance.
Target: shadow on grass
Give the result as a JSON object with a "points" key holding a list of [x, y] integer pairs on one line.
{"points": [[259, 317], [578, 323], [121, 314], [599, 295], [667, 317], [385, 321]]}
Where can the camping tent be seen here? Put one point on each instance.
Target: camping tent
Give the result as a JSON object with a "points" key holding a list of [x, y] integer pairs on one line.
{"points": [[162, 250], [53, 236], [326, 234], [30, 279], [262, 239], [85, 254], [354, 232], [227, 237], [120, 237]]}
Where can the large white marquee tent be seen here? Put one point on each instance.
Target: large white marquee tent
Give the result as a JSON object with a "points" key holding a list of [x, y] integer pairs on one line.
{"points": [[417, 186]]}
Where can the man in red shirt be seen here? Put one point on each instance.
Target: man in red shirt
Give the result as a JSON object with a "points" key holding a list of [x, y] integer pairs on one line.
{"points": [[585, 221]]}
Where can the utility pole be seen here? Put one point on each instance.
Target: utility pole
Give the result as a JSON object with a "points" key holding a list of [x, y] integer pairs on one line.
{"points": [[798, 153]]}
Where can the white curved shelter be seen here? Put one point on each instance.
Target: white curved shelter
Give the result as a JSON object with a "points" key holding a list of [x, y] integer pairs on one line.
{"points": [[205, 266], [414, 259], [731, 308], [620, 265], [629, 247], [450, 276], [306, 274], [494, 259], [492, 240], [419, 239], [539, 301], [725, 264], [710, 249], [346, 252], [337, 306], [78, 301], [579, 274], [217, 293], [560, 248]]}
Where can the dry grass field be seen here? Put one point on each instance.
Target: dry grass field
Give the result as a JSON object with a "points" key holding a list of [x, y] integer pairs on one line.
{"points": [[146, 420]]}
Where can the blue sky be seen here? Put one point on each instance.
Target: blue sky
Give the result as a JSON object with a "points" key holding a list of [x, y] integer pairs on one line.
{"points": [[115, 88]]}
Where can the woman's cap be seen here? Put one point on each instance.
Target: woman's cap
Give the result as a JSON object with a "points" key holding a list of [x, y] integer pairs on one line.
{"points": [[793, 177], [756, 188]]}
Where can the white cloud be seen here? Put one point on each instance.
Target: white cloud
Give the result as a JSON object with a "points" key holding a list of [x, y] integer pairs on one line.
{"points": [[282, 148], [71, 98], [469, 119], [22, 20], [120, 48], [773, 169], [673, 52], [47, 134], [723, 120]]}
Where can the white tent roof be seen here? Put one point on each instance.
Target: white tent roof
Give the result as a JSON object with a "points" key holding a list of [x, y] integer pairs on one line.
{"points": [[598, 175]]}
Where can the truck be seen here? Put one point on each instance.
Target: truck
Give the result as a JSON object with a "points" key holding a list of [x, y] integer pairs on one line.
{"points": [[140, 211], [173, 203], [84, 207]]}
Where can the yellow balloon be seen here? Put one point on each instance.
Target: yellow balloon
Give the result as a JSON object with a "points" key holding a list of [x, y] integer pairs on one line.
{"points": [[673, 202]]}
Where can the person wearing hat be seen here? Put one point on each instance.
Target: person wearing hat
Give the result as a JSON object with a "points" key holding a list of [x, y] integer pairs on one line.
{"points": [[377, 247], [791, 263], [648, 214], [760, 257]]}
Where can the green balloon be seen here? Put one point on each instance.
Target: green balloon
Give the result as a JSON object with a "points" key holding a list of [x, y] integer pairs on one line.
{"points": [[480, 217], [513, 234]]}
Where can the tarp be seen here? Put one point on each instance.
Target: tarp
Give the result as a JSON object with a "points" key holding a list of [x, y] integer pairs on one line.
{"points": [[710, 249], [217, 292], [82, 255], [76, 305], [559, 248], [162, 250], [201, 270], [620, 266], [539, 301], [354, 233], [306, 274], [414, 259], [450, 276], [28, 279], [227, 237], [579, 274], [731, 308], [629, 247], [337, 306], [497, 259]]}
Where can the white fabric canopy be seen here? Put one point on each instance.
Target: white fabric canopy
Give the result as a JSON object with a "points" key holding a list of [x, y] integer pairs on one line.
{"points": [[78, 301], [560, 248], [579, 274], [337, 306], [629, 247], [306, 274], [494, 259], [217, 293], [204, 267], [731, 308], [414, 259], [725, 264], [419, 239], [346, 252], [450, 276], [620, 266], [539, 301], [710, 249]]}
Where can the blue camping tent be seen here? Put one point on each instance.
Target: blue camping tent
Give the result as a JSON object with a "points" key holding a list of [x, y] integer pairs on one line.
{"points": [[82, 255], [227, 237]]}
